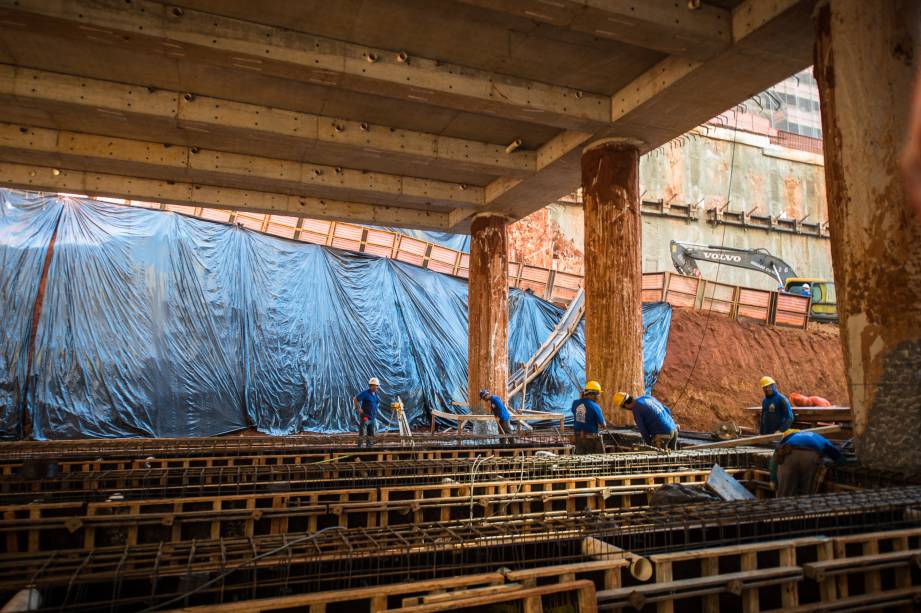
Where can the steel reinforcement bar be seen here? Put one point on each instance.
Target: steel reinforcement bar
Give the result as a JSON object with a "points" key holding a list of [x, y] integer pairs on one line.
{"points": [[235, 445], [41, 526], [212, 481], [134, 577]]}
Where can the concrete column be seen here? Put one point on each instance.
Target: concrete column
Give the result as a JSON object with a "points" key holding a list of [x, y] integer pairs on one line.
{"points": [[865, 63], [613, 275], [487, 308]]}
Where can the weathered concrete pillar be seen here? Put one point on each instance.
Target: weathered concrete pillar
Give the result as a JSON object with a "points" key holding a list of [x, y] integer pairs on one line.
{"points": [[613, 275], [865, 62], [487, 308]]}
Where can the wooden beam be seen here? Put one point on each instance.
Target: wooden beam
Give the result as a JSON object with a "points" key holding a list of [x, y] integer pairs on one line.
{"points": [[102, 184], [667, 27], [184, 118], [762, 438], [236, 44], [76, 151]]}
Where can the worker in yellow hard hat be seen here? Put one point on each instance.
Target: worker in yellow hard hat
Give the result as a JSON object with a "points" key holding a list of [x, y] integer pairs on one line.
{"points": [[653, 419], [796, 462], [776, 412], [586, 420]]}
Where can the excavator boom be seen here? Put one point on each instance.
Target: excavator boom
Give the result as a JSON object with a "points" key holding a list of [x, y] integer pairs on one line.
{"points": [[686, 255]]}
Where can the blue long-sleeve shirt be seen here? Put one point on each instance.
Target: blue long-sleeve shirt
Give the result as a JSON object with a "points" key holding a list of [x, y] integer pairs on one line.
{"points": [[586, 416], [776, 413], [811, 440], [652, 418], [498, 408]]}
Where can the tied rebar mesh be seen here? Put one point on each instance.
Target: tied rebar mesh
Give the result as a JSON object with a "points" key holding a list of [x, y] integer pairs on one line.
{"points": [[149, 483], [135, 577]]}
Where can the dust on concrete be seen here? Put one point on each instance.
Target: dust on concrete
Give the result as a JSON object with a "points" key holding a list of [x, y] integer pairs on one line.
{"points": [[730, 358]]}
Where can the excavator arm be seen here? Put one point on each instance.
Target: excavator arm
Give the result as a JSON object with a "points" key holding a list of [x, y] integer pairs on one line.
{"points": [[686, 255]]}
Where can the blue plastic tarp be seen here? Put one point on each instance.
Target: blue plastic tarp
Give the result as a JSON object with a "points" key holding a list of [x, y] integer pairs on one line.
{"points": [[458, 242], [155, 324], [530, 322], [26, 230]]}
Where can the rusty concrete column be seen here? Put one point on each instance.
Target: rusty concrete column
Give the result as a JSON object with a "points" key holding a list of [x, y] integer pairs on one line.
{"points": [[865, 63], [487, 308], [613, 275]]}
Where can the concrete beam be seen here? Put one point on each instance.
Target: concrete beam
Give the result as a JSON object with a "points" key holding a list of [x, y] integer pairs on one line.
{"points": [[185, 118], [42, 178], [236, 44], [73, 150], [771, 41], [668, 27], [550, 153]]}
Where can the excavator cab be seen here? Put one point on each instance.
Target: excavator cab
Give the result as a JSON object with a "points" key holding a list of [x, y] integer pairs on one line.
{"points": [[824, 301]]}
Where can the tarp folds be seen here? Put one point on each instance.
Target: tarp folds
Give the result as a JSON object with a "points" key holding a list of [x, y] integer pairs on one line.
{"points": [[26, 229], [139, 329], [154, 324], [530, 323]]}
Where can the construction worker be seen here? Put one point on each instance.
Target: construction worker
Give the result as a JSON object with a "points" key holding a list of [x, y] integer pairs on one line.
{"points": [[654, 419], [495, 406], [776, 412], [797, 460], [366, 404], [586, 420]]}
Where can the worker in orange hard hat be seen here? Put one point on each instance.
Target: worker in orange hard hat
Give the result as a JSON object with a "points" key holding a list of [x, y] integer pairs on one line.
{"points": [[776, 412], [586, 420]]}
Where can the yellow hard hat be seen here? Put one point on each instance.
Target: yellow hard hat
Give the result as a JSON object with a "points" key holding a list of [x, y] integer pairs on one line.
{"points": [[765, 381], [593, 386], [620, 398]]}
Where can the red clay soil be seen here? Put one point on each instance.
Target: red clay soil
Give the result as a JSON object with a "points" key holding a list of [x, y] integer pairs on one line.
{"points": [[722, 380]]}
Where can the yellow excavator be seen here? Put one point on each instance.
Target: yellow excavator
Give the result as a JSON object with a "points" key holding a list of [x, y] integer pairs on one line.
{"points": [[824, 304]]}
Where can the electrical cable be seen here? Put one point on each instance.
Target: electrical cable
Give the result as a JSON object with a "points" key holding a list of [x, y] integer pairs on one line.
{"points": [[253, 560], [732, 158]]}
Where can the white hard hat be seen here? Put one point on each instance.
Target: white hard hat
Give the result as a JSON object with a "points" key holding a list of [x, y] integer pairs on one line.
{"points": [[373, 381], [805, 286]]}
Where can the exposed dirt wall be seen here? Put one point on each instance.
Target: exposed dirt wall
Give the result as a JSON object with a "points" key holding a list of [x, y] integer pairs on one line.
{"points": [[733, 355]]}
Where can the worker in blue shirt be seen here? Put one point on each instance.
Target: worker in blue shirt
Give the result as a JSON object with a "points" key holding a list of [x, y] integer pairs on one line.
{"points": [[495, 406], [776, 412], [653, 419], [797, 460], [586, 420], [366, 404]]}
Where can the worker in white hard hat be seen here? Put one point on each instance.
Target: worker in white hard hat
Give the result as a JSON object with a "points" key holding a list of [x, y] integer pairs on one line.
{"points": [[366, 404], [776, 412]]}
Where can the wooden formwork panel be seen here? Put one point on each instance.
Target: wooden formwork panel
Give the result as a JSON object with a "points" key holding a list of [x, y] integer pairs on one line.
{"points": [[79, 525], [754, 304], [147, 459], [465, 592]]}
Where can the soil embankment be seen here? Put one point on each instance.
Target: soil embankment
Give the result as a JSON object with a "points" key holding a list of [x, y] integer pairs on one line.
{"points": [[722, 380]]}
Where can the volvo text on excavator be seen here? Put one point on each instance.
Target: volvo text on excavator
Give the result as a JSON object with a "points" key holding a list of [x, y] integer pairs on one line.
{"points": [[686, 255]]}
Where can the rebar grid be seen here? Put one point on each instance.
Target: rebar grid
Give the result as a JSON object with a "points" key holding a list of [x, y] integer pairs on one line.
{"points": [[112, 448], [214, 481], [125, 578]]}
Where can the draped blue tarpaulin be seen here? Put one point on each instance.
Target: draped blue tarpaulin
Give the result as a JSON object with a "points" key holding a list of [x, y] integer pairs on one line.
{"points": [[155, 324], [26, 229]]}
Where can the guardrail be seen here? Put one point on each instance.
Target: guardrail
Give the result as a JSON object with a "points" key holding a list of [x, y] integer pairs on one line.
{"points": [[733, 301]]}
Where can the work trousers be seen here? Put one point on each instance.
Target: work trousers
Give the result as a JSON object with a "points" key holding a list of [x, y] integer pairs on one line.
{"points": [[666, 441], [505, 427], [588, 443], [366, 433], [796, 471]]}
